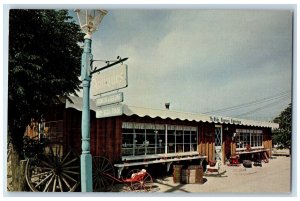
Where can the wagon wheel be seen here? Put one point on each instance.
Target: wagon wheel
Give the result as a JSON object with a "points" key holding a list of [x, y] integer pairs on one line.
{"points": [[103, 174], [144, 184], [53, 171]]}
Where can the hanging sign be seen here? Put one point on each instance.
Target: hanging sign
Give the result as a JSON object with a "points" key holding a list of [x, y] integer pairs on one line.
{"points": [[109, 111], [109, 99], [110, 80]]}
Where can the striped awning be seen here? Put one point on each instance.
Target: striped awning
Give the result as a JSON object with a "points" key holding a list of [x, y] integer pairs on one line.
{"points": [[164, 114]]}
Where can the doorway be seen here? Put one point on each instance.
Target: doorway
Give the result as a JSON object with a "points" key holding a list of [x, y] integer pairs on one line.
{"points": [[218, 142]]}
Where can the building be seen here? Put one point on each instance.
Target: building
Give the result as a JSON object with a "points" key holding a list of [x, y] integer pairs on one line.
{"points": [[143, 136]]}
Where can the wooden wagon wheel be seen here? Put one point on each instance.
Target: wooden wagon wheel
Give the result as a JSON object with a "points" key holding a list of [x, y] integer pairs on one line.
{"points": [[103, 174], [53, 171], [144, 184]]}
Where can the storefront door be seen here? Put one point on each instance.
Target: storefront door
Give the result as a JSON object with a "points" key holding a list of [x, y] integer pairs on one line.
{"points": [[218, 142]]}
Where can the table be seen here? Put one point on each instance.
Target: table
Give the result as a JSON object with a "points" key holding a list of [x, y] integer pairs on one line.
{"points": [[256, 155]]}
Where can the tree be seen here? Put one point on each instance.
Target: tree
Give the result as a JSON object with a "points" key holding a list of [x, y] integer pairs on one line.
{"points": [[283, 134], [44, 65]]}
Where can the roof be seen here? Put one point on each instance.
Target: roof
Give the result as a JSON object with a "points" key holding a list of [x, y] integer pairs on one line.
{"points": [[164, 114], [77, 103]]}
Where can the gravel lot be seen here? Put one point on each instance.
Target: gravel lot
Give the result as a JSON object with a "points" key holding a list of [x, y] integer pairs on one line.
{"points": [[272, 177]]}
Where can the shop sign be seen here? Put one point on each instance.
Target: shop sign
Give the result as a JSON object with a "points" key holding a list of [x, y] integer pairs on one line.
{"points": [[109, 99], [224, 120], [109, 111], [110, 80]]}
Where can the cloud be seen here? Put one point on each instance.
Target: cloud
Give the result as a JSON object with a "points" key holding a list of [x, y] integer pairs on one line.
{"points": [[200, 60]]}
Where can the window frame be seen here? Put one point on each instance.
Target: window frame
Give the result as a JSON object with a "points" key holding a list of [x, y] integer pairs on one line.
{"points": [[174, 135], [248, 136]]}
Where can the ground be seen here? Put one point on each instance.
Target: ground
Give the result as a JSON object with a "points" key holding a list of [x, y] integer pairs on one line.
{"points": [[271, 177]]}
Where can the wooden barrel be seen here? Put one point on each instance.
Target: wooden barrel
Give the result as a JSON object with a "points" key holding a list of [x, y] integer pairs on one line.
{"points": [[177, 173]]}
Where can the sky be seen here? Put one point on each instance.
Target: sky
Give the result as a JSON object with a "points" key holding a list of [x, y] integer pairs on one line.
{"points": [[202, 61]]}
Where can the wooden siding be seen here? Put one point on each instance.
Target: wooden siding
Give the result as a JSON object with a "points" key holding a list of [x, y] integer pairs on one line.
{"points": [[107, 141], [106, 133], [206, 133]]}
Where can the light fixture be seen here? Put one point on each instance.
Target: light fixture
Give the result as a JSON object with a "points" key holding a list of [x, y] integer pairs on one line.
{"points": [[89, 20]]}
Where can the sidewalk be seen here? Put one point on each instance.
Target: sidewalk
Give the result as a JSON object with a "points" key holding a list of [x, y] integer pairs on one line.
{"points": [[272, 177]]}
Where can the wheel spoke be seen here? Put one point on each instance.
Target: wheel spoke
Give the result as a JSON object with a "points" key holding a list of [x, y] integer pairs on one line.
{"points": [[60, 184], [58, 149], [40, 174], [54, 183], [71, 172], [71, 167], [48, 184], [51, 151], [70, 178], [71, 161], [66, 182], [66, 157], [45, 179], [45, 163], [101, 184]]}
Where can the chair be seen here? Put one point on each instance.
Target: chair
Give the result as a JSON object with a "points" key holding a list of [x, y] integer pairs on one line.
{"points": [[234, 160], [213, 168]]}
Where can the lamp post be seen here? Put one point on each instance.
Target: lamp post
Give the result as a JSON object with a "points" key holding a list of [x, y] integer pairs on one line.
{"points": [[89, 20]]}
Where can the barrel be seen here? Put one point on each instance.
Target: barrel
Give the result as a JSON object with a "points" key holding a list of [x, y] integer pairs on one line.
{"points": [[177, 173]]}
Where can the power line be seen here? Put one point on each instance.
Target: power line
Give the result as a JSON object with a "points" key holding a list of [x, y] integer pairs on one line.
{"points": [[280, 95], [263, 107]]}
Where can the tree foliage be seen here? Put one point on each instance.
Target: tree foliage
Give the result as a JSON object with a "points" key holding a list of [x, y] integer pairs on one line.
{"points": [[44, 64], [283, 134]]}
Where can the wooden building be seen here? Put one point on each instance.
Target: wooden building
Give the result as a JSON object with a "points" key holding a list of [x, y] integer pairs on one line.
{"points": [[147, 136]]}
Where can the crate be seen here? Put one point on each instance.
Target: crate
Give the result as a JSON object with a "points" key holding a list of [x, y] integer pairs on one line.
{"points": [[177, 173], [192, 175]]}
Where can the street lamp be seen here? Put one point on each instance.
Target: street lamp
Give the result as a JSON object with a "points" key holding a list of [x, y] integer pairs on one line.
{"points": [[89, 20]]}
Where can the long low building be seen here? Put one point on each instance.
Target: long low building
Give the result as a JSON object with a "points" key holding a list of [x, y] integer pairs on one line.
{"points": [[141, 136]]}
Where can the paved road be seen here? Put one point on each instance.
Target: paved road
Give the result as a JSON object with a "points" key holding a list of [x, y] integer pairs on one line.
{"points": [[272, 177]]}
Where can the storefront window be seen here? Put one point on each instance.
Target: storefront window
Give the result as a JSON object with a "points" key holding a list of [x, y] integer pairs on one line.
{"points": [[147, 139], [171, 139], [246, 137]]}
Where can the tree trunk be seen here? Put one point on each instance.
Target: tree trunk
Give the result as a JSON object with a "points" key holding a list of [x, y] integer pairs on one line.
{"points": [[18, 172]]}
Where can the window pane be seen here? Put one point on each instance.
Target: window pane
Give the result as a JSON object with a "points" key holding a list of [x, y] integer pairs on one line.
{"points": [[160, 142], [187, 140], [171, 141], [139, 142], [194, 141], [150, 141], [179, 141]]}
